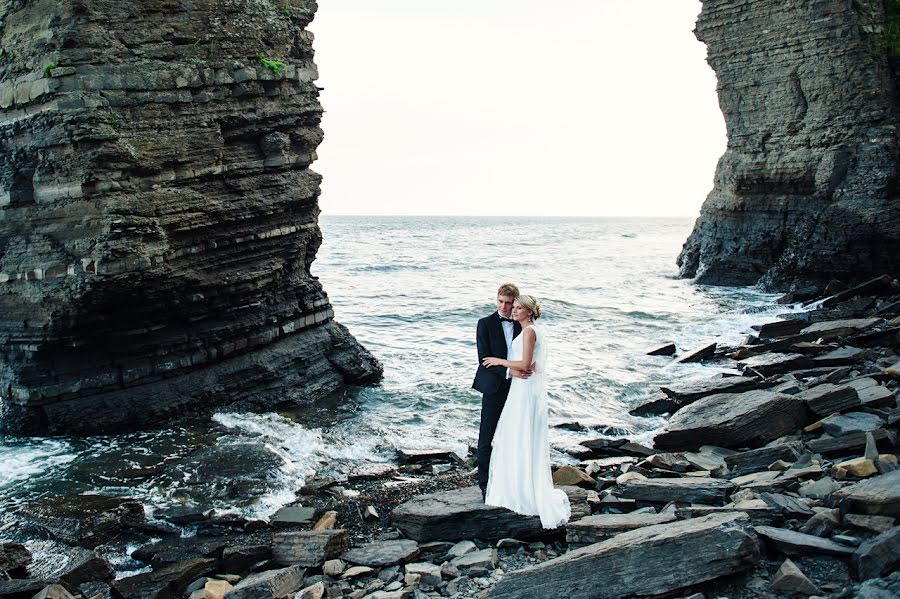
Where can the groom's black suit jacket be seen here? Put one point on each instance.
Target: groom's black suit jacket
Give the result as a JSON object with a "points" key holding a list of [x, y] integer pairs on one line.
{"points": [[491, 341]]}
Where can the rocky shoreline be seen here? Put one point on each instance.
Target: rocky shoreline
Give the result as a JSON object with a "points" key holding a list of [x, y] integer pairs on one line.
{"points": [[777, 481]]}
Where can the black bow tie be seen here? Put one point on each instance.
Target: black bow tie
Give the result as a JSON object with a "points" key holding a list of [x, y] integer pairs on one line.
{"points": [[503, 319]]}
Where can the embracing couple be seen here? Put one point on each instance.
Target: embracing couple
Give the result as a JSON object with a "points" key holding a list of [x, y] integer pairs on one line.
{"points": [[513, 451]]}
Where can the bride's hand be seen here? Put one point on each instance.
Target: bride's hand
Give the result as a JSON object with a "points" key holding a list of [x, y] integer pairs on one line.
{"points": [[492, 362]]}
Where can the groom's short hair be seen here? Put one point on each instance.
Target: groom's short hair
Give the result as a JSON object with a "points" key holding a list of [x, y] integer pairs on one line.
{"points": [[508, 289]]}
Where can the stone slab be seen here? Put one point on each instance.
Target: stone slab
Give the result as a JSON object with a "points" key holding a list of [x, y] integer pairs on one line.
{"points": [[379, 554], [878, 496], [641, 562], [823, 400], [592, 529], [711, 491], [461, 514], [798, 543]]}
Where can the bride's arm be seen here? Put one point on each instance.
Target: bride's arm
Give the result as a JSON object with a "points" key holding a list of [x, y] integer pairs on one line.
{"points": [[527, 354]]}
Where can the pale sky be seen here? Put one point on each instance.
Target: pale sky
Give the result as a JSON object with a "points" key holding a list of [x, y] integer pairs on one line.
{"points": [[520, 107]]}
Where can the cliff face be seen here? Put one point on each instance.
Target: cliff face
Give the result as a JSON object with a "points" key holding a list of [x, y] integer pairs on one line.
{"points": [[158, 216], [808, 187]]}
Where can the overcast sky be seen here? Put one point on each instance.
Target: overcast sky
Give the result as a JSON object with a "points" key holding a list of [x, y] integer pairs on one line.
{"points": [[575, 107]]}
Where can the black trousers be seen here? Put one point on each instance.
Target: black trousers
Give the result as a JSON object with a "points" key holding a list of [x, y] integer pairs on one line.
{"points": [[491, 407]]}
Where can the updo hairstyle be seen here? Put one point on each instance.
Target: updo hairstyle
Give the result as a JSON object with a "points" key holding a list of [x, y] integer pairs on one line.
{"points": [[530, 303]]}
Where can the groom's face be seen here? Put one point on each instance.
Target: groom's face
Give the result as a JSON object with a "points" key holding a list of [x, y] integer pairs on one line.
{"points": [[505, 305]]}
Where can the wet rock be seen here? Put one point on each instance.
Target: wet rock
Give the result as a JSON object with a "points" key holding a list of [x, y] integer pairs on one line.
{"points": [[690, 392], [382, 553], [756, 460], [826, 399], [789, 578], [461, 514], [592, 529], [872, 394], [880, 588], [665, 350], [21, 588], [851, 422], [72, 566], [656, 405], [790, 542], [293, 515], [770, 364], [732, 420], [14, 557], [699, 354], [879, 495], [830, 329], [641, 561], [878, 556], [711, 491], [782, 328], [86, 520], [426, 456], [309, 548], [242, 558], [569, 475], [839, 357], [170, 581], [271, 584]]}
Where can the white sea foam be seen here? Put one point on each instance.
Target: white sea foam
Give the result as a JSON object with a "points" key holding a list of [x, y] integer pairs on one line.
{"points": [[22, 459]]}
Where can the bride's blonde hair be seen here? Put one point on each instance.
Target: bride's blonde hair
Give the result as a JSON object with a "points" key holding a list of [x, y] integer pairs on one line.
{"points": [[530, 303]]}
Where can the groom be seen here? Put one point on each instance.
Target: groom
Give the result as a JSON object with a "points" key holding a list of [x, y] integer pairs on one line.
{"points": [[494, 337]]}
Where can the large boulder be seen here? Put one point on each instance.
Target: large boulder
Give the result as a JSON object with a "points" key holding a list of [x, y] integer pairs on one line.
{"points": [[681, 490], [461, 514], [642, 561], [733, 420], [85, 520]]}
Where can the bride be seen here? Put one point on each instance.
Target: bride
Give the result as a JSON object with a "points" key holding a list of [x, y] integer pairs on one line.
{"points": [[520, 463]]}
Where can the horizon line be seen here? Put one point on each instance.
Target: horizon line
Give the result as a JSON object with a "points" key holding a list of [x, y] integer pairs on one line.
{"points": [[326, 213]]}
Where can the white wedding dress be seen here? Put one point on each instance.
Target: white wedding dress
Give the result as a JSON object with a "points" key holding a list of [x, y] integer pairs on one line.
{"points": [[520, 477]]}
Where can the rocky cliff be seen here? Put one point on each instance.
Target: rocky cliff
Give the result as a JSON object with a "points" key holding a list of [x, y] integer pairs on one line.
{"points": [[158, 216], [808, 187]]}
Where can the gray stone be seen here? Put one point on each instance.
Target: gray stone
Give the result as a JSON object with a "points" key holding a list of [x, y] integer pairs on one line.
{"points": [[791, 579], [839, 357], [641, 561], [313, 591], [428, 573], [876, 524], [666, 350], [592, 529], [769, 364], [878, 556], [699, 354], [54, 591], [847, 443], [837, 328], [851, 422], [462, 548], [756, 460], [872, 394], [309, 548], [682, 490], [461, 514], [271, 584], [485, 558], [293, 515], [85, 520], [378, 554], [689, 392], [170, 581], [827, 399], [732, 420], [334, 567], [797, 543], [822, 523]]}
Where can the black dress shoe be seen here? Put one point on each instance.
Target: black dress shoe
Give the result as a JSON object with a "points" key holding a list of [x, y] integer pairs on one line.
{"points": [[483, 494]]}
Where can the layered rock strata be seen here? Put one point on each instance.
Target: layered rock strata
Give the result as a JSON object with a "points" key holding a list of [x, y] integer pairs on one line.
{"points": [[158, 216], [807, 189]]}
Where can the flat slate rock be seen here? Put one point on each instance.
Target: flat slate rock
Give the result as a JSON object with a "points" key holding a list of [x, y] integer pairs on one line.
{"points": [[826, 399], [872, 394], [837, 328], [847, 443], [269, 584], [666, 350], [592, 529], [461, 514], [839, 357], [84, 520], [797, 543], [689, 392], [681, 490], [13, 556], [733, 420], [170, 581], [879, 495], [641, 562], [852, 422], [379, 554], [755, 460], [769, 364]]}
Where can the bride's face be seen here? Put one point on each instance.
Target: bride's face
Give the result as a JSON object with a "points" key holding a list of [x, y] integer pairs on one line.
{"points": [[520, 312]]}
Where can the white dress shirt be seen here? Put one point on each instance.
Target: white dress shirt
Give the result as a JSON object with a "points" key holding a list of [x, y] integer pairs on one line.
{"points": [[508, 333]]}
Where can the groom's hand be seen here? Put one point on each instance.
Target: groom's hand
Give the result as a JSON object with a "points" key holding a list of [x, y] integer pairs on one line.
{"points": [[519, 374]]}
